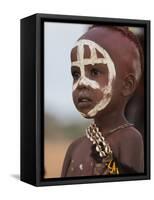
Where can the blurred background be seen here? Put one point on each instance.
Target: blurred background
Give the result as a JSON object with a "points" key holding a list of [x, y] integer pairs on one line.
{"points": [[63, 123]]}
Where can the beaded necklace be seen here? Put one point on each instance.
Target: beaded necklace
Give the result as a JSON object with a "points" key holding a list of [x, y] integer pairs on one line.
{"points": [[102, 147]]}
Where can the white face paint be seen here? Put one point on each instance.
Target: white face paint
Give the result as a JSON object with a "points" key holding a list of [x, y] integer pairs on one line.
{"points": [[83, 80]]}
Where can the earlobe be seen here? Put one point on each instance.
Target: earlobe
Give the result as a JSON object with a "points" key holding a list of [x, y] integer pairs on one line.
{"points": [[129, 85]]}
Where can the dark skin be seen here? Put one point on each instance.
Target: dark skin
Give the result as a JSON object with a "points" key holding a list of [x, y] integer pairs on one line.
{"points": [[126, 144]]}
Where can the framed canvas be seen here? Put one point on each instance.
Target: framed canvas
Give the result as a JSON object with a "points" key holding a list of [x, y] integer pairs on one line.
{"points": [[85, 99]]}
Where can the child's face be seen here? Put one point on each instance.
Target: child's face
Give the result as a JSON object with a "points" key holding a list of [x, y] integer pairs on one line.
{"points": [[101, 62], [93, 72]]}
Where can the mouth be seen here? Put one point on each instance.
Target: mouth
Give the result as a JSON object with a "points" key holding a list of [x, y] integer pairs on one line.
{"points": [[84, 102]]}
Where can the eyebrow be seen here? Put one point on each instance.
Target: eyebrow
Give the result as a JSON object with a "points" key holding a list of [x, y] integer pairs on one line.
{"points": [[73, 67]]}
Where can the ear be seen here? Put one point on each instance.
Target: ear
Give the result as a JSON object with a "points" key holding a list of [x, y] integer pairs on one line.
{"points": [[129, 85]]}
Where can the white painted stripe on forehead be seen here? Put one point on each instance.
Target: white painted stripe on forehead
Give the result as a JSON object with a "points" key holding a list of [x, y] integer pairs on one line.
{"points": [[93, 54]]}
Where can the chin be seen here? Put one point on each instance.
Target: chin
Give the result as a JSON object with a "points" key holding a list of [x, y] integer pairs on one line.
{"points": [[88, 117], [85, 115]]}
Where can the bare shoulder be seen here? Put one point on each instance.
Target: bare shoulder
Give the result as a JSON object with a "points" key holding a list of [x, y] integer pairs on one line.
{"points": [[76, 143], [131, 135], [131, 149]]}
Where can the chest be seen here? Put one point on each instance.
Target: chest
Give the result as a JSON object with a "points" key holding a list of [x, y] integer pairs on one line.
{"points": [[82, 162]]}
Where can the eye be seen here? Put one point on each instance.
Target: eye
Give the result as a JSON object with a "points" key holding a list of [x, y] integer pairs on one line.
{"points": [[95, 72], [76, 75]]}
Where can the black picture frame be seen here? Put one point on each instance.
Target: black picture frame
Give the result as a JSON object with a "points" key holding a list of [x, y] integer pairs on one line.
{"points": [[32, 98]]}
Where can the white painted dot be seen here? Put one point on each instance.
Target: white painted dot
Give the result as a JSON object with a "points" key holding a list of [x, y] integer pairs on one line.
{"points": [[81, 166]]}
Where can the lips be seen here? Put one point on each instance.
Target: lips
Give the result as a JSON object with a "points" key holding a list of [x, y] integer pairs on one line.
{"points": [[84, 101]]}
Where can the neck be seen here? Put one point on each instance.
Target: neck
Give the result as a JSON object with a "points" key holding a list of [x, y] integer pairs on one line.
{"points": [[111, 120]]}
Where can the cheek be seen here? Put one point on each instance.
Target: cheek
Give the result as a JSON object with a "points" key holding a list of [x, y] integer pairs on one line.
{"points": [[117, 87], [103, 81], [74, 96], [98, 94], [103, 95]]}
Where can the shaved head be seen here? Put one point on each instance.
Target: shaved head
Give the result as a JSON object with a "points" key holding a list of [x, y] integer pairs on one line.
{"points": [[122, 49]]}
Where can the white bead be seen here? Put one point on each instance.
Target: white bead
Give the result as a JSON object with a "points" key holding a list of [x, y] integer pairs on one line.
{"points": [[101, 155]]}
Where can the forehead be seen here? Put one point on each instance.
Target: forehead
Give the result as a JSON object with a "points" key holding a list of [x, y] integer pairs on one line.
{"points": [[92, 54], [89, 51]]}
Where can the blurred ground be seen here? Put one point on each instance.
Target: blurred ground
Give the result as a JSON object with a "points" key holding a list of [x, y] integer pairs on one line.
{"points": [[54, 156]]}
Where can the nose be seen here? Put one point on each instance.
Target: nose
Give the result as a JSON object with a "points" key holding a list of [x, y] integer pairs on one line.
{"points": [[82, 83]]}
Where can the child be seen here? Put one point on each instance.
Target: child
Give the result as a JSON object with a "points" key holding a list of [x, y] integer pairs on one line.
{"points": [[106, 69]]}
